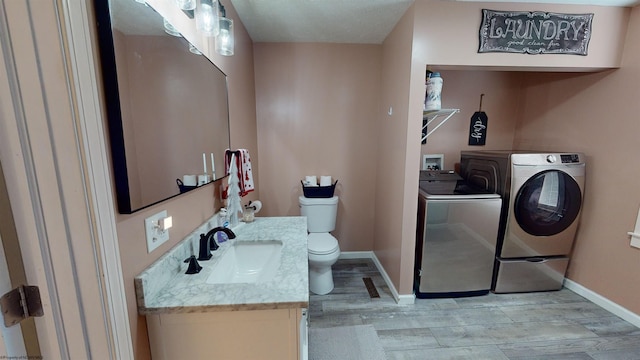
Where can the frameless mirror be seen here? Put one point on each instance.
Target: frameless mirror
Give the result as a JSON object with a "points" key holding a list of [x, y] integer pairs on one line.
{"points": [[167, 107]]}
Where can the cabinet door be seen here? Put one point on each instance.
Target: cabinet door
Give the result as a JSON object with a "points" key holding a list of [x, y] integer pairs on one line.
{"points": [[257, 334]]}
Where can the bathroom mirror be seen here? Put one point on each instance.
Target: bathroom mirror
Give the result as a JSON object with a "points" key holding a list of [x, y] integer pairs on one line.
{"points": [[167, 108]]}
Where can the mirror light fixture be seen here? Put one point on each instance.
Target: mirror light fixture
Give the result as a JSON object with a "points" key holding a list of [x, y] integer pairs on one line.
{"points": [[207, 20], [194, 50], [169, 29], [225, 39], [186, 4]]}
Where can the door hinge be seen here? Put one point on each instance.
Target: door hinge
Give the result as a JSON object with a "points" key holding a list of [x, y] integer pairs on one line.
{"points": [[20, 303]]}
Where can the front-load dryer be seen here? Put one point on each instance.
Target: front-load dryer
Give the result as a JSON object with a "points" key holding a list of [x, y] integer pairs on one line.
{"points": [[542, 197]]}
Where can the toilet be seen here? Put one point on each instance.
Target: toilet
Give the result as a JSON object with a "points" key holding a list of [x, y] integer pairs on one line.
{"points": [[322, 247]]}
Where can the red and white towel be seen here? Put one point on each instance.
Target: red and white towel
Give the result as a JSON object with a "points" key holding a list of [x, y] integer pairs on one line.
{"points": [[243, 164]]}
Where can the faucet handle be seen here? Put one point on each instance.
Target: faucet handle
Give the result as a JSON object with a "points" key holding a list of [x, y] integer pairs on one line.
{"points": [[194, 267]]}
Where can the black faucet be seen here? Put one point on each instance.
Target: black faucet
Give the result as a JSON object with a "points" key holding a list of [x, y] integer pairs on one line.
{"points": [[208, 243]]}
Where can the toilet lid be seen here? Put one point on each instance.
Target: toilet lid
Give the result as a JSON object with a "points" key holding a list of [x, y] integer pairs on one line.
{"points": [[321, 243]]}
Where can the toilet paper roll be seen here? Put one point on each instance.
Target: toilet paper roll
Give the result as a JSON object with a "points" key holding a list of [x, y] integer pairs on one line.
{"points": [[310, 180], [257, 204], [325, 180], [635, 234], [189, 180]]}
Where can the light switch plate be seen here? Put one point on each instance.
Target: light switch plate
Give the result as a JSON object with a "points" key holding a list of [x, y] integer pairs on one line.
{"points": [[155, 237], [635, 242]]}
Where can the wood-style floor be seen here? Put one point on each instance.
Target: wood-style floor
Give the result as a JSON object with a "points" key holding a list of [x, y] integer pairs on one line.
{"points": [[543, 325]]}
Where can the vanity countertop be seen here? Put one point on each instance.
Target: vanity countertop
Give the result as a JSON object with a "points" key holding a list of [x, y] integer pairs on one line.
{"points": [[165, 288]]}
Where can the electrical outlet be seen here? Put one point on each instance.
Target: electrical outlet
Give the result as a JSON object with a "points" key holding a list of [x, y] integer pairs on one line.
{"points": [[155, 235], [425, 162], [432, 161]]}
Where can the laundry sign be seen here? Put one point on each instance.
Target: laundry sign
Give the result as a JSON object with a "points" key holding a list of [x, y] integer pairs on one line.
{"points": [[534, 32]]}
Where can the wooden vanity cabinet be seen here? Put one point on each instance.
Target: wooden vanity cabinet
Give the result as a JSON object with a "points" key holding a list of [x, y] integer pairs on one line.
{"points": [[278, 334]]}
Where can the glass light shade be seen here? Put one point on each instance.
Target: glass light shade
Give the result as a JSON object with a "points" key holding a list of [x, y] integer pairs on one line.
{"points": [[169, 29], [224, 40], [207, 20], [194, 50], [186, 4]]}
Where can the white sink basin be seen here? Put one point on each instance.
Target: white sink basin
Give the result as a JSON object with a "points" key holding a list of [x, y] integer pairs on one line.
{"points": [[247, 262]]}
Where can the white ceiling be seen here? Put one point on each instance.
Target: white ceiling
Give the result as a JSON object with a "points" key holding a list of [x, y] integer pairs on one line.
{"points": [[341, 21], [337, 21]]}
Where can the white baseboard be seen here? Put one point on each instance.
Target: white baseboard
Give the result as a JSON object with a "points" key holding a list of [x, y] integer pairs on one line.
{"points": [[603, 302], [588, 294], [400, 299], [356, 255]]}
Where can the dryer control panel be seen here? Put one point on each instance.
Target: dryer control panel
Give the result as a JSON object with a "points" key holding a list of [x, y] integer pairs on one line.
{"points": [[570, 158]]}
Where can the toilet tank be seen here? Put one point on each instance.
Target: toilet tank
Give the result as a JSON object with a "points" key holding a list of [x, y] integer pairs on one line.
{"points": [[320, 212]]}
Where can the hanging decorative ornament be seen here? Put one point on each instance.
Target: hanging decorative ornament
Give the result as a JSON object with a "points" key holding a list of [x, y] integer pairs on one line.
{"points": [[478, 126]]}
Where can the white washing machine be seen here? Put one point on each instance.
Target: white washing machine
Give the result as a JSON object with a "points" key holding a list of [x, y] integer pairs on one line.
{"points": [[542, 197], [456, 237]]}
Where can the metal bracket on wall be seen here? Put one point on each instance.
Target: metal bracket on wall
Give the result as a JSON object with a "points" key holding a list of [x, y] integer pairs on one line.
{"points": [[430, 115]]}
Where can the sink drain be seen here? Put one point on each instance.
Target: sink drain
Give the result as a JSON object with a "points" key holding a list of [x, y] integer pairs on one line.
{"points": [[371, 288]]}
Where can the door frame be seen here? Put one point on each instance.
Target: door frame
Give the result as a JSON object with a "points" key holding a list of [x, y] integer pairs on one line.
{"points": [[81, 29], [53, 151]]}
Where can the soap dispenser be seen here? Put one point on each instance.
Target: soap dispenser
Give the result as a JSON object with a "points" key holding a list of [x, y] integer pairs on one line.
{"points": [[223, 221]]}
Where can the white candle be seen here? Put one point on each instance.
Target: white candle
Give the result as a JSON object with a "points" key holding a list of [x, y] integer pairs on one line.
{"points": [[213, 167], [204, 162]]}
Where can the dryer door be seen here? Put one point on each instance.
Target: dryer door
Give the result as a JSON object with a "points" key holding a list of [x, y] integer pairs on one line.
{"points": [[548, 203]]}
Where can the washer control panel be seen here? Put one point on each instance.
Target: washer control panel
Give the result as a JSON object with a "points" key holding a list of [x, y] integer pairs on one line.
{"points": [[568, 158]]}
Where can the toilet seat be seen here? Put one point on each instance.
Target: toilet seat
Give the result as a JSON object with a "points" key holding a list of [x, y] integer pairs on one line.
{"points": [[322, 243]]}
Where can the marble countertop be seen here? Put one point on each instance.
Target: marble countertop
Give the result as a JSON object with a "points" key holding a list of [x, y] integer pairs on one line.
{"points": [[165, 288]]}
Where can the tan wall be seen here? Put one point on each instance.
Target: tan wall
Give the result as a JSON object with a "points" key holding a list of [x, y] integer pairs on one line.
{"points": [[448, 34], [393, 154], [317, 105], [193, 208], [461, 90], [598, 115]]}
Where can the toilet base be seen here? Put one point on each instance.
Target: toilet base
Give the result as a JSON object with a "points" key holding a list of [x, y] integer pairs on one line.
{"points": [[321, 280], [320, 273]]}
